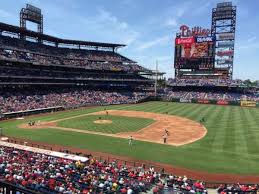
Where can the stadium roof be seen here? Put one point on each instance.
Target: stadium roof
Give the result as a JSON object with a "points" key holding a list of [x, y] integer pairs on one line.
{"points": [[44, 37]]}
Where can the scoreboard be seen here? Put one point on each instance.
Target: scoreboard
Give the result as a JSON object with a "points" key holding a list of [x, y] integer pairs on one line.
{"points": [[194, 50]]}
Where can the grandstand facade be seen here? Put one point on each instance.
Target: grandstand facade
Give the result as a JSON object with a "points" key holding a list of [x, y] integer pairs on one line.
{"points": [[47, 73], [54, 61]]}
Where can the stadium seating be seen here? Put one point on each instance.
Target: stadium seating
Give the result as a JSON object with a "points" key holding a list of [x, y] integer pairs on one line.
{"points": [[237, 188], [67, 98], [15, 49], [204, 82], [49, 174], [227, 96]]}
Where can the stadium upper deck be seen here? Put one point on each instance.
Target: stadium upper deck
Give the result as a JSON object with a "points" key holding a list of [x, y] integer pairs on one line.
{"points": [[29, 58]]}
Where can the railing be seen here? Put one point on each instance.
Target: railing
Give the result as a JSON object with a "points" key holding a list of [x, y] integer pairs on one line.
{"points": [[100, 157], [10, 115], [20, 142], [8, 188]]}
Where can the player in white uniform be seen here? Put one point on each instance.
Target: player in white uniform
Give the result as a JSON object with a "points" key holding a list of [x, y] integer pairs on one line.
{"points": [[130, 140]]}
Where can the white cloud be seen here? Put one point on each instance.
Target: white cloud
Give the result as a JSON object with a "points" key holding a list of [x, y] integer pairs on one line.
{"points": [[247, 44], [203, 8], [158, 41], [175, 13], [171, 22], [252, 39], [180, 12], [112, 27]]}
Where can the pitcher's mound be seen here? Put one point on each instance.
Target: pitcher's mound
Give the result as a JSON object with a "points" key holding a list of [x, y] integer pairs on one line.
{"points": [[103, 121]]}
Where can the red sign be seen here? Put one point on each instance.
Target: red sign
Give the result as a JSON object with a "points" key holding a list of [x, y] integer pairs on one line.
{"points": [[225, 53], [189, 40], [222, 102], [203, 101], [195, 31]]}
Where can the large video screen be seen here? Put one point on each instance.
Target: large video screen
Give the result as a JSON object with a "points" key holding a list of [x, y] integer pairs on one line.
{"points": [[194, 52], [195, 47]]}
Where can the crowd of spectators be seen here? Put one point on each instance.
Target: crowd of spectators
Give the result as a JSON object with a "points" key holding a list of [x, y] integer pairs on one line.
{"points": [[50, 175], [22, 101], [237, 188], [204, 82], [25, 51], [226, 96]]}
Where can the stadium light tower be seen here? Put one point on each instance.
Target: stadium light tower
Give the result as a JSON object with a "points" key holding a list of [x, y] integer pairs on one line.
{"points": [[223, 27], [32, 14]]}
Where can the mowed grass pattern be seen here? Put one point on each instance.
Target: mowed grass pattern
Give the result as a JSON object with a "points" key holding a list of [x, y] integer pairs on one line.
{"points": [[230, 146], [119, 123]]}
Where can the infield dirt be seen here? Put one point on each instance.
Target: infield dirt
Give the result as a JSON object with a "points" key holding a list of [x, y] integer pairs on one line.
{"points": [[181, 130]]}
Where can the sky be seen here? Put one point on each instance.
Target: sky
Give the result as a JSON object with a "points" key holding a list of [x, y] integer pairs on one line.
{"points": [[147, 27]]}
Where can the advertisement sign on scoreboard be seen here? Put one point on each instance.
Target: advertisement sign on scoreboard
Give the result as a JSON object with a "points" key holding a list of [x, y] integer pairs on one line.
{"points": [[200, 39], [187, 40], [226, 36], [224, 61], [225, 44], [225, 53]]}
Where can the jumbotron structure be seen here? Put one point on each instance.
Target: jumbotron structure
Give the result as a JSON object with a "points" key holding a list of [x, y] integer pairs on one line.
{"points": [[207, 53]]}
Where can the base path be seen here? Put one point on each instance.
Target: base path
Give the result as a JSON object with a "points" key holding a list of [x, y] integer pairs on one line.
{"points": [[181, 130]]}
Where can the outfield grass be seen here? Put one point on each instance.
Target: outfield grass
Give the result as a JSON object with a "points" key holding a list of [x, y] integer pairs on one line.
{"points": [[119, 123], [230, 146]]}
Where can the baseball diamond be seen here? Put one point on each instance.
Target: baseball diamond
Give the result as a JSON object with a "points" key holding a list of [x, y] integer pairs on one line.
{"points": [[231, 136]]}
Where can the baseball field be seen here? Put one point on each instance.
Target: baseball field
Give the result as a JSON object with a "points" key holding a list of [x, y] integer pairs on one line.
{"points": [[227, 142]]}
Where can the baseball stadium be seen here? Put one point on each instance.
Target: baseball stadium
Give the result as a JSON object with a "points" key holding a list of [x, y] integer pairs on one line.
{"points": [[78, 116]]}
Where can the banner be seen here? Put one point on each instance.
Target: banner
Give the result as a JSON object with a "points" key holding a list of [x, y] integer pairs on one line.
{"points": [[203, 101], [248, 103], [224, 61], [200, 39], [188, 40], [226, 44], [224, 4], [226, 36], [222, 102], [225, 53], [185, 100]]}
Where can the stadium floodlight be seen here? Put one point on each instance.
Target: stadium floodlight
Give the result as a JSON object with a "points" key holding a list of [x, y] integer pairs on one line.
{"points": [[32, 14]]}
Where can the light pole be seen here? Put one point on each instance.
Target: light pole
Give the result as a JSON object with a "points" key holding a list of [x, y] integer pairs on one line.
{"points": [[156, 79]]}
